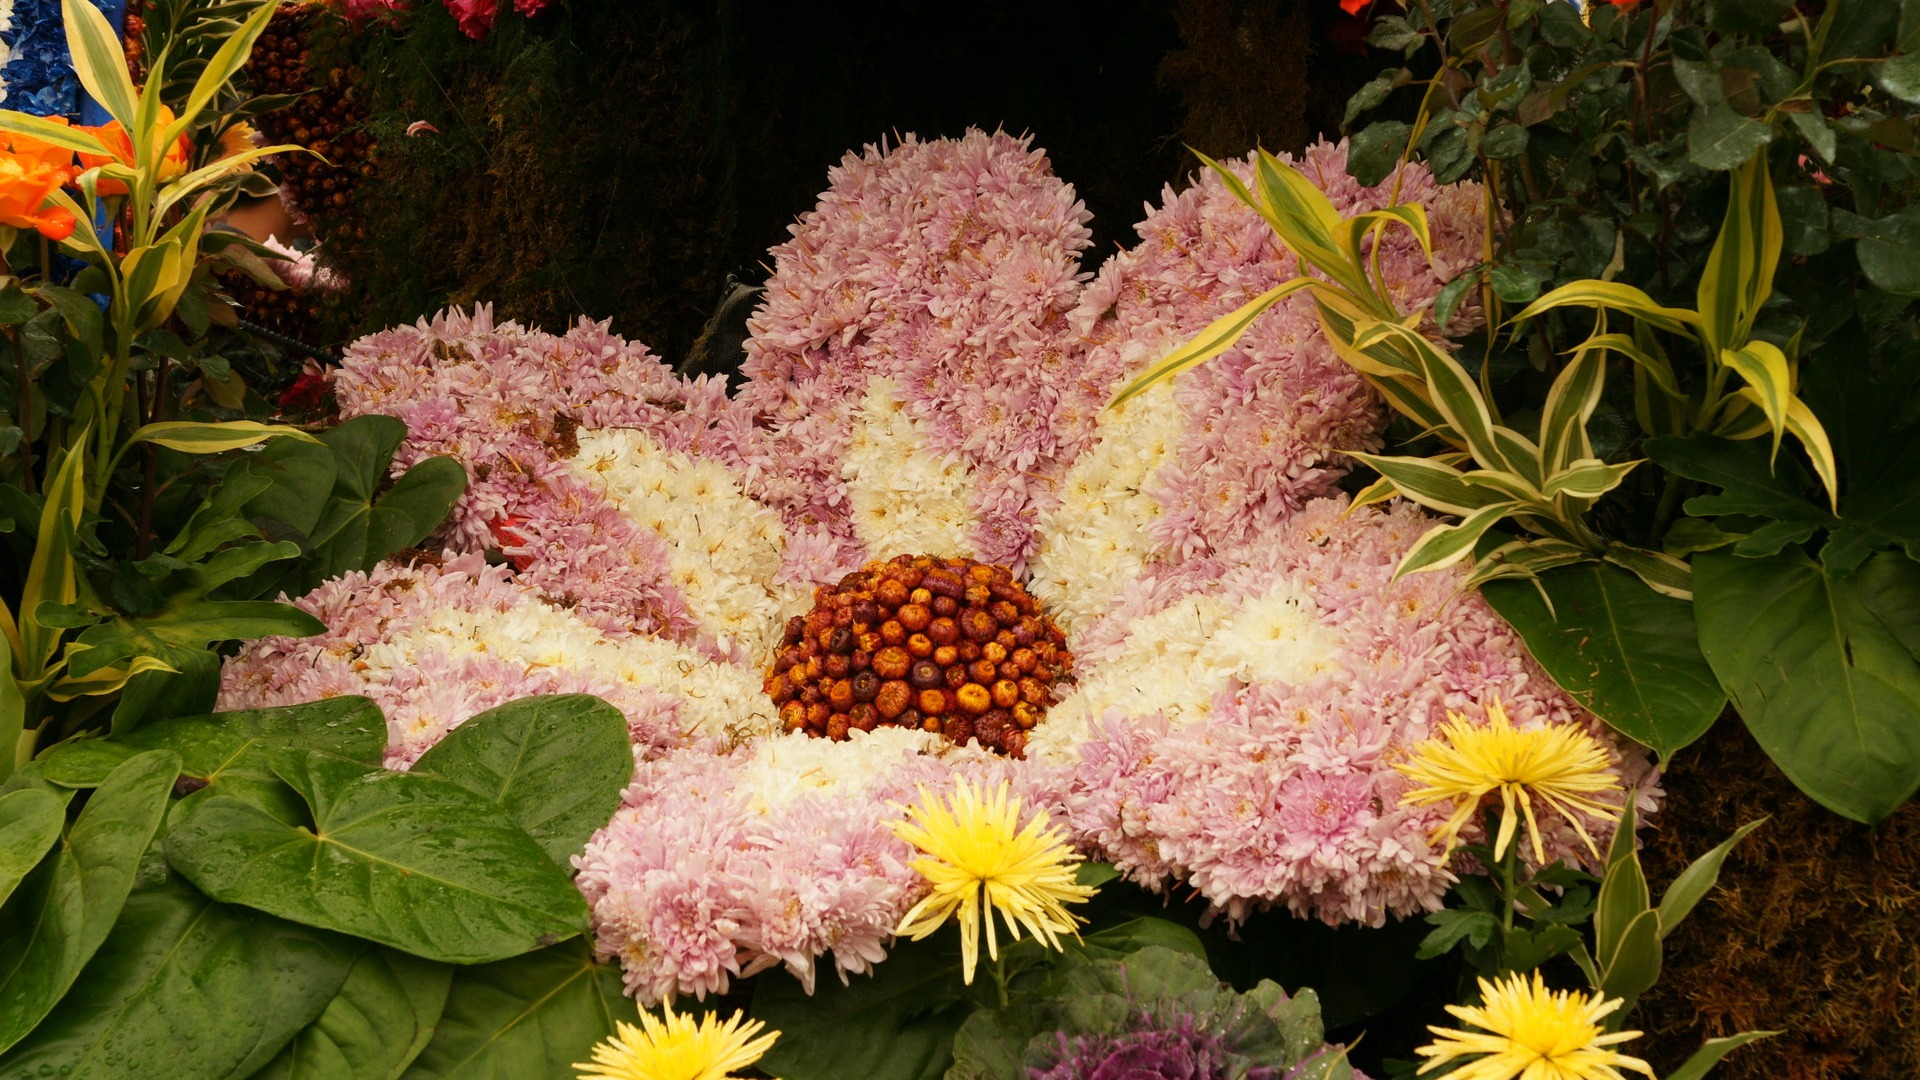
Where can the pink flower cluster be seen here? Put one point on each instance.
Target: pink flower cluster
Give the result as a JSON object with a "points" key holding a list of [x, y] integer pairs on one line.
{"points": [[508, 402], [440, 681], [705, 876], [1286, 794], [1267, 419], [948, 266]]}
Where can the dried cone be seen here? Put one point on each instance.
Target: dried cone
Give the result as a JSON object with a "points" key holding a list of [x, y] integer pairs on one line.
{"points": [[947, 645]]}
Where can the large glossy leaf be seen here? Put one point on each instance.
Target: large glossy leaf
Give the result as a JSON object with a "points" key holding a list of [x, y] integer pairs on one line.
{"points": [[556, 764], [185, 987], [1625, 652], [414, 862], [302, 476], [225, 745], [30, 821], [65, 907], [896, 1024], [374, 1027], [533, 1015], [1826, 687]]}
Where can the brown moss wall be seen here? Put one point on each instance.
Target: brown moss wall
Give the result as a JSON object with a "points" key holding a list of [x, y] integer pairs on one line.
{"points": [[1815, 927]]}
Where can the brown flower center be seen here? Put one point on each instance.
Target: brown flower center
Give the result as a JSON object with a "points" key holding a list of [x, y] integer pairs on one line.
{"points": [[947, 645]]}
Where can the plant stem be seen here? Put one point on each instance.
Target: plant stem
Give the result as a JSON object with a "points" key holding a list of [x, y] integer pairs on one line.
{"points": [[1000, 978]]}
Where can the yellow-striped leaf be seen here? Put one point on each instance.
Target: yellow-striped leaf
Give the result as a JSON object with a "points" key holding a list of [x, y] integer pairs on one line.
{"points": [[62, 135], [1653, 362], [1570, 403], [194, 181], [1522, 452], [1738, 276], [226, 61], [1217, 338], [1807, 428], [1661, 572], [155, 277], [1526, 560], [1614, 296], [1377, 492], [1456, 397], [192, 438], [1588, 478], [1240, 192], [1432, 484], [1764, 367], [1411, 215], [1444, 545], [1507, 484], [106, 680], [1308, 222], [97, 59], [51, 573]]}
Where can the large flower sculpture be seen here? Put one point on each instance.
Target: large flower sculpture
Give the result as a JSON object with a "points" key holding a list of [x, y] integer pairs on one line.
{"points": [[929, 377]]}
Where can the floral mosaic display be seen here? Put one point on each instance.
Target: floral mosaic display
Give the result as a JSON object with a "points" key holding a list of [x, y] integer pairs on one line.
{"points": [[929, 375]]}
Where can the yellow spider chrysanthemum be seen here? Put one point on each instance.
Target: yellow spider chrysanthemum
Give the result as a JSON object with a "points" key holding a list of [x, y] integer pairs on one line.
{"points": [[1561, 765], [980, 861], [1532, 1033], [678, 1047]]}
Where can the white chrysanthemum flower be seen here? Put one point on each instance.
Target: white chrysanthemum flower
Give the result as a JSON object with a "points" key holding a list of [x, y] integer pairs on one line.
{"points": [[903, 497], [1095, 542], [723, 548], [1276, 637], [782, 768], [716, 698]]}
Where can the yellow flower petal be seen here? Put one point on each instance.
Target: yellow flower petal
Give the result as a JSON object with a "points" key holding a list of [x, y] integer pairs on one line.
{"points": [[1464, 762], [982, 861], [1531, 1033], [677, 1047]]}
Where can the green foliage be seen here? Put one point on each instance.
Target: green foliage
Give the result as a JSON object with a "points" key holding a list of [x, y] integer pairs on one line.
{"points": [[371, 853], [110, 418], [1264, 1027], [378, 1022], [333, 499], [303, 913], [556, 765], [1824, 667], [69, 903], [900, 1023], [1626, 653], [1727, 186], [533, 1015], [1628, 926]]}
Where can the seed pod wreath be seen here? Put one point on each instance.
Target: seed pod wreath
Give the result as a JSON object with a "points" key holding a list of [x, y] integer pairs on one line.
{"points": [[612, 724]]}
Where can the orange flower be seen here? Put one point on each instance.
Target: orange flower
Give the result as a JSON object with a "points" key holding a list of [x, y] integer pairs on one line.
{"points": [[30, 172], [118, 141]]}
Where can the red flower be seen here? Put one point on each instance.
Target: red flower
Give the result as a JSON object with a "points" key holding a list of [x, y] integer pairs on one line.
{"points": [[1352, 7], [507, 534], [474, 16]]}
